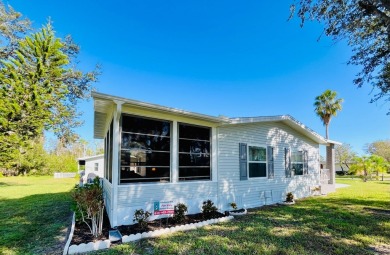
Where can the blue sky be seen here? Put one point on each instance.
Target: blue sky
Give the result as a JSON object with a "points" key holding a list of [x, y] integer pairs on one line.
{"points": [[234, 58]]}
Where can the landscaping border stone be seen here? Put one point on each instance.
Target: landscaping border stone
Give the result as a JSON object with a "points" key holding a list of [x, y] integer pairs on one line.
{"points": [[105, 244], [238, 213], [91, 246], [66, 248], [166, 231]]}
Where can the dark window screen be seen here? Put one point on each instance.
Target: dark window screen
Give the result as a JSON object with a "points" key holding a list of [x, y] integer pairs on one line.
{"points": [[194, 152]]}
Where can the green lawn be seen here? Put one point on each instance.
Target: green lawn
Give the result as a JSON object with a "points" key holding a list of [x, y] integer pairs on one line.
{"points": [[34, 214], [34, 211], [354, 220]]}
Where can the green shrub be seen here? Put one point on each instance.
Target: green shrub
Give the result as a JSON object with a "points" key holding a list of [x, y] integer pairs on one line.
{"points": [[233, 205], [141, 217], [209, 210], [180, 211], [90, 205], [289, 197]]}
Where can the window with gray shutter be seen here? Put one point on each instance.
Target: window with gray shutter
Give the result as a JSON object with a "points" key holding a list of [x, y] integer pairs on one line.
{"points": [[270, 159], [287, 162], [305, 162], [243, 161]]}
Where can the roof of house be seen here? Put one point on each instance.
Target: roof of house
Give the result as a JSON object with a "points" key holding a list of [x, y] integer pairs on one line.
{"points": [[86, 158], [103, 103], [289, 121]]}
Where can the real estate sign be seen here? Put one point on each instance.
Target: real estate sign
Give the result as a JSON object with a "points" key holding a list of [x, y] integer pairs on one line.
{"points": [[163, 207]]}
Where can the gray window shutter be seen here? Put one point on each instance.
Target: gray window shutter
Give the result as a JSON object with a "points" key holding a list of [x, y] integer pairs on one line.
{"points": [[243, 162], [305, 163], [287, 161], [270, 159]]}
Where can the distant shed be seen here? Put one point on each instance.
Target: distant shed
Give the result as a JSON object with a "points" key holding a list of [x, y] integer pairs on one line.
{"points": [[91, 166]]}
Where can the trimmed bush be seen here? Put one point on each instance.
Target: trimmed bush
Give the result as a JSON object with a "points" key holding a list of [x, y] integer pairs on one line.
{"points": [[180, 213], [209, 210]]}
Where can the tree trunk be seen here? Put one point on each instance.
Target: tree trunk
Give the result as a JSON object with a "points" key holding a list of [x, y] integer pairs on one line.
{"points": [[327, 132]]}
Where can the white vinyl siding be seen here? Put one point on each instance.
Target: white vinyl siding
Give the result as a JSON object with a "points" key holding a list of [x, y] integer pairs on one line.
{"points": [[107, 196], [136, 196], [249, 193]]}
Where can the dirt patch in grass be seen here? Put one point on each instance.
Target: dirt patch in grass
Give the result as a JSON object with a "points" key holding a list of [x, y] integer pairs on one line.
{"points": [[382, 249], [377, 211]]}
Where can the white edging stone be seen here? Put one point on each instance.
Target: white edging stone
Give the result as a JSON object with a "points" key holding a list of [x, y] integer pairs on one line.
{"points": [[164, 231], [238, 213], [287, 203], [70, 235], [91, 246]]}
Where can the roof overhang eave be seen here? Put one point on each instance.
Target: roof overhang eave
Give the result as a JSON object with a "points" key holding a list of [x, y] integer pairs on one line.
{"points": [[100, 116]]}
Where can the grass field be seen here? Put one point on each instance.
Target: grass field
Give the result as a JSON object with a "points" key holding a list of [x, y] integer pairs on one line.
{"points": [[34, 214], [354, 220]]}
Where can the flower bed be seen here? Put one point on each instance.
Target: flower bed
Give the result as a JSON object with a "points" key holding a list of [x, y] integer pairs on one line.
{"points": [[164, 223], [83, 241]]}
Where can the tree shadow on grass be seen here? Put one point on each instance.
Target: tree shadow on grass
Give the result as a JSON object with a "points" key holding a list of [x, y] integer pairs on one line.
{"points": [[35, 224], [322, 228], [386, 182]]}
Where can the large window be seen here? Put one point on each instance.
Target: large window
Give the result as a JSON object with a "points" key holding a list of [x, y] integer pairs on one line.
{"points": [[297, 162], [145, 150], [257, 161], [194, 153]]}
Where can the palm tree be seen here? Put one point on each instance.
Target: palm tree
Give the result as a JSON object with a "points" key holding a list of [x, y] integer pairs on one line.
{"points": [[327, 106]]}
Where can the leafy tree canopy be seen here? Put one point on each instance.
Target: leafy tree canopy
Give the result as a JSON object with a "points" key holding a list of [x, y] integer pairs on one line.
{"points": [[344, 156], [366, 166], [380, 148], [40, 85], [12, 27], [365, 24]]}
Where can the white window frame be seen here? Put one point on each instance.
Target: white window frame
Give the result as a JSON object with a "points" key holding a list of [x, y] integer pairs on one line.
{"points": [[297, 162], [96, 167], [266, 161]]}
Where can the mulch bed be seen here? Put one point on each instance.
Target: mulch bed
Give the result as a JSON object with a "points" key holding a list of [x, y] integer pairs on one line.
{"points": [[238, 211], [82, 233]]}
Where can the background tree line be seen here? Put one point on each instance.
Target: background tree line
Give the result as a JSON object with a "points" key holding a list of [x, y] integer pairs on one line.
{"points": [[46, 157], [376, 162]]}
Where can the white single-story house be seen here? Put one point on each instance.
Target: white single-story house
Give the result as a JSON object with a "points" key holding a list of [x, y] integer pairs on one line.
{"points": [[156, 153], [91, 166]]}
